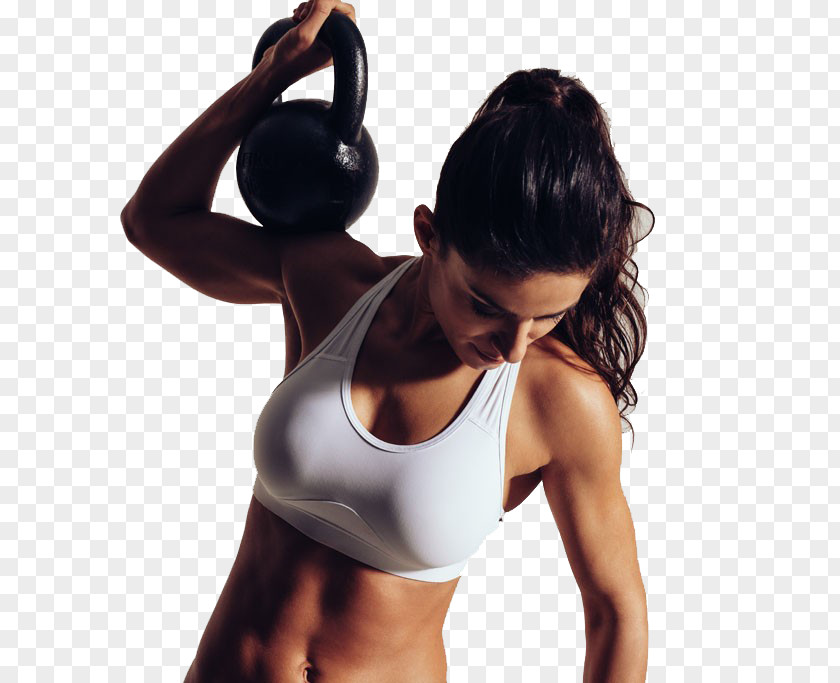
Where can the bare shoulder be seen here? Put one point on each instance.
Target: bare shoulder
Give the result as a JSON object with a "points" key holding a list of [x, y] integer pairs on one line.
{"points": [[322, 268], [318, 257], [572, 405], [334, 262], [323, 279]]}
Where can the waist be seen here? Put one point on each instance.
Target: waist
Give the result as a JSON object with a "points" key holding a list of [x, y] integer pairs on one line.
{"points": [[291, 602]]}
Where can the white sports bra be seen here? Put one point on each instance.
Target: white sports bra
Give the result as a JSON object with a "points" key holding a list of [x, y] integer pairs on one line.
{"points": [[418, 511]]}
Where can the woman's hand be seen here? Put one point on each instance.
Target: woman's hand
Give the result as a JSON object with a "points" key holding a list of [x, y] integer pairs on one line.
{"points": [[299, 53]]}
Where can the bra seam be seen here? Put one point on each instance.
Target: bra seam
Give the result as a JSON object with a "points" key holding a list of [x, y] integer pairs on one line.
{"points": [[502, 433], [483, 427], [385, 546], [332, 356]]}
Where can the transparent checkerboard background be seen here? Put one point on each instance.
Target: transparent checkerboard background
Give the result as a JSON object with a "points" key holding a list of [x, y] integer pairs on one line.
{"points": [[129, 399]]}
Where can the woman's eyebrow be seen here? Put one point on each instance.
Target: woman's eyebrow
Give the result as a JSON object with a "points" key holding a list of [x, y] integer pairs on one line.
{"points": [[492, 303]]}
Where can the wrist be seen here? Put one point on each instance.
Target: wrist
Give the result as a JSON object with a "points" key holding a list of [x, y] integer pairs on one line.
{"points": [[269, 79], [243, 105]]}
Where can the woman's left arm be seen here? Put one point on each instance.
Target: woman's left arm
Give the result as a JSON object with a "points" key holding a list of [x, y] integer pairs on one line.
{"points": [[583, 489]]}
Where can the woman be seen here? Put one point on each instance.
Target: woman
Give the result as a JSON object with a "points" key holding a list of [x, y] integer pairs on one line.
{"points": [[426, 396]]}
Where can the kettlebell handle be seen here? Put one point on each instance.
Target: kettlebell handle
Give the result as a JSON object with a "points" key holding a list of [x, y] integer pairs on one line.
{"points": [[350, 71]]}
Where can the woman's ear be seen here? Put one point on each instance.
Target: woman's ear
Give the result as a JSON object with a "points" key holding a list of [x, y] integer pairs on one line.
{"points": [[424, 230]]}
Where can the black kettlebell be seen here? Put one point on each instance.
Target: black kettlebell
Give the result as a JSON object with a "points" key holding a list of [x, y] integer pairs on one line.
{"points": [[309, 165]]}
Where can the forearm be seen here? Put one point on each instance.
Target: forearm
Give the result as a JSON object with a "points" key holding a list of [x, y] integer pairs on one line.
{"points": [[185, 176], [616, 649]]}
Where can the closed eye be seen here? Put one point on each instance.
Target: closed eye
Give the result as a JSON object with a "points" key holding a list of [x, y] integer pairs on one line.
{"points": [[485, 312]]}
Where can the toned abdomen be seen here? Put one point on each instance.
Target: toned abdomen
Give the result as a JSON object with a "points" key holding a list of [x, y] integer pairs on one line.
{"points": [[291, 605]]}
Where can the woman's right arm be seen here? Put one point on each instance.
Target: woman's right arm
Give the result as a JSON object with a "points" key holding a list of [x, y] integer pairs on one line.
{"points": [[169, 217], [184, 177]]}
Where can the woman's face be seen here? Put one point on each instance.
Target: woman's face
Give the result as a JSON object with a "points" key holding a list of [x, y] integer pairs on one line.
{"points": [[485, 319], [489, 319]]}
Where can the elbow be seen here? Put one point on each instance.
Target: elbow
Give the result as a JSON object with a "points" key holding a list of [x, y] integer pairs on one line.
{"points": [[629, 608], [616, 638], [129, 222]]}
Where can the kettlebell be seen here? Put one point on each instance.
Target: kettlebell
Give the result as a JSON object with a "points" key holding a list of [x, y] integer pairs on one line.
{"points": [[310, 165]]}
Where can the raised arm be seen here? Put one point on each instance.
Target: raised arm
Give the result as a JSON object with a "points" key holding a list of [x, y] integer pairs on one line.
{"points": [[185, 176], [169, 218]]}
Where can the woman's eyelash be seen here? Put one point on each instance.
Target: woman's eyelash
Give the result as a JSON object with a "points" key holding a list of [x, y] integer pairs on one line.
{"points": [[482, 311]]}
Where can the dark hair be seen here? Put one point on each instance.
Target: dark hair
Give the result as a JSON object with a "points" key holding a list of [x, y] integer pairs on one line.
{"points": [[532, 185]]}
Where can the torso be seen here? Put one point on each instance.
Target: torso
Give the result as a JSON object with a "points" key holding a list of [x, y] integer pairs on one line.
{"points": [[293, 610]]}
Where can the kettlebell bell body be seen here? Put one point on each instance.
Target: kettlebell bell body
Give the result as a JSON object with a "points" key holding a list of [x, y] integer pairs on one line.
{"points": [[310, 165]]}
